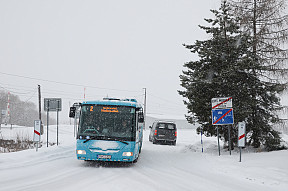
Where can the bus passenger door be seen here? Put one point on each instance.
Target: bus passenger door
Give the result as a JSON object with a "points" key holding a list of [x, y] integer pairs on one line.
{"points": [[137, 133], [139, 121]]}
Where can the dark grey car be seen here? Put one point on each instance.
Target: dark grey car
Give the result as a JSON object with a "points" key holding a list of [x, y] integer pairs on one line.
{"points": [[165, 132]]}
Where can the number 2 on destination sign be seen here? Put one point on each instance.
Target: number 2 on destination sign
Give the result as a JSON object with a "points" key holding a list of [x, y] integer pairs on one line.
{"points": [[91, 108]]}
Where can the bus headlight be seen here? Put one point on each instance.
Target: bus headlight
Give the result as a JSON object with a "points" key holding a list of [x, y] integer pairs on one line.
{"points": [[127, 154], [81, 152]]}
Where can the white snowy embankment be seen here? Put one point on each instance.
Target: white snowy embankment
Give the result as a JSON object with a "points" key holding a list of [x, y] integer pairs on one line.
{"points": [[160, 167]]}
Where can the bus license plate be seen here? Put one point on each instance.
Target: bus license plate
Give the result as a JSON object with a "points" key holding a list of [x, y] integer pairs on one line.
{"points": [[104, 156]]}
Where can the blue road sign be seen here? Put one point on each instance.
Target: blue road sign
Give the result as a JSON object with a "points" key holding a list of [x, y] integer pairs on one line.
{"points": [[222, 116]]}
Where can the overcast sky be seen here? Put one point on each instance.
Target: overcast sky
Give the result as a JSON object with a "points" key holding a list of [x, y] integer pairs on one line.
{"points": [[113, 48]]}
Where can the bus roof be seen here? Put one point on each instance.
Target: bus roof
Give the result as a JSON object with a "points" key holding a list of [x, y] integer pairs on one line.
{"points": [[114, 102]]}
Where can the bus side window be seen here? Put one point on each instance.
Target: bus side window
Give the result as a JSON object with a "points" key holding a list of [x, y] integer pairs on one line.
{"points": [[137, 127]]}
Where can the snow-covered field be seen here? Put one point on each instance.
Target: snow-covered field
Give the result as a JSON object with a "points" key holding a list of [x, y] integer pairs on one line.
{"points": [[160, 167]]}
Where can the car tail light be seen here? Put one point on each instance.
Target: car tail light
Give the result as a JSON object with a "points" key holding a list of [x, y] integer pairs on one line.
{"points": [[155, 132], [175, 133]]}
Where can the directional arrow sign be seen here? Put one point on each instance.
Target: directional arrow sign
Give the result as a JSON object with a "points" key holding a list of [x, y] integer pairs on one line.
{"points": [[222, 116]]}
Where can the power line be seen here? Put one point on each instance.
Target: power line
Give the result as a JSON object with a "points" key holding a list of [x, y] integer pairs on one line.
{"points": [[168, 105], [163, 107], [66, 95], [22, 93], [163, 99], [31, 96], [65, 83], [21, 87]]}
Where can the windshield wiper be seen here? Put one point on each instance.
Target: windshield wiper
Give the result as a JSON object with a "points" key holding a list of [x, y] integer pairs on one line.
{"points": [[123, 142], [95, 138], [86, 140], [115, 139], [90, 138]]}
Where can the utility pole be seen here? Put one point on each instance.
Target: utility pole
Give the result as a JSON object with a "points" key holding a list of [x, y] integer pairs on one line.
{"points": [[47, 119], [57, 119], [69, 117], [39, 99], [144, 107]]}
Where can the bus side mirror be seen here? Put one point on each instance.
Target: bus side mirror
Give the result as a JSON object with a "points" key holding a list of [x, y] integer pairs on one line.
{"points": [[150, 127], [72, 112], [141, 117]]}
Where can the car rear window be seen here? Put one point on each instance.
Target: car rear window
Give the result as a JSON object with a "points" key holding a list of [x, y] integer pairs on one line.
{"points": [[161, 126], [168, 126], [171, 126]]}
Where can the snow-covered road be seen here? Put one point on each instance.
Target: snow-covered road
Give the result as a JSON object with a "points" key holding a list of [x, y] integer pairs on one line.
{"points": [[160, 167]]}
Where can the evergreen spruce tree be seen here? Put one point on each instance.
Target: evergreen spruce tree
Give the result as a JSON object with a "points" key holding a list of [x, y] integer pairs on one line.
{"points": [[226, 67]]}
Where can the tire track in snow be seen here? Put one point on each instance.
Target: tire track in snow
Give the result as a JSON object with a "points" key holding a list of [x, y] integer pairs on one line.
{"points": [[43, 157]]}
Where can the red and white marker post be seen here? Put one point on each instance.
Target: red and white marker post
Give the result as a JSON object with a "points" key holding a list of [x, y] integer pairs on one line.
{"points": [[241, 136], [37, 130]]}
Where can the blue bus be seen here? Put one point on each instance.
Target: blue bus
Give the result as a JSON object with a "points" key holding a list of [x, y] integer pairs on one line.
{"points": [[109, 130]]}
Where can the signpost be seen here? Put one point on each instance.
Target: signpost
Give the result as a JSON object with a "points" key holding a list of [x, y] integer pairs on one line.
{"points": [[52, 104], [37, 130], [241, 136], [222, 114]]}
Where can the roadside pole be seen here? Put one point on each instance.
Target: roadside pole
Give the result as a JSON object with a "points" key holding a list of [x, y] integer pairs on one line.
{"points": [[201, 139], [229, 139], [145, 97], [218, 140], [47, 120], [57, 124], [240, 154], [69, 117], [40, 117]]}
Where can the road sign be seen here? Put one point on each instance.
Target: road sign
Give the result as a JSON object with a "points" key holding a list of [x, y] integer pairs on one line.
{"points": [[55, 104], [37, 129], [52, 104], [3, 112], [222, 116], [221, 103], [241, 134]]}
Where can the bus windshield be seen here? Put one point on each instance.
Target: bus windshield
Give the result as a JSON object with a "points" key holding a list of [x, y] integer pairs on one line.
{"points": [[107, 122]]}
